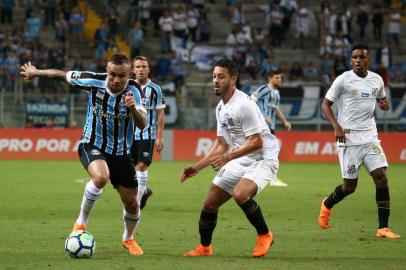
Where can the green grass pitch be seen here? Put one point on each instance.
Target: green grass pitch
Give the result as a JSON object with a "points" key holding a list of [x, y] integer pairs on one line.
{"points": [[40, 200]]}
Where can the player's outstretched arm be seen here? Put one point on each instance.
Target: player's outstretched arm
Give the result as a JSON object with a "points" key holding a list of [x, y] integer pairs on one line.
{"points": [[328, 113], [218, 149], [29, 72]]}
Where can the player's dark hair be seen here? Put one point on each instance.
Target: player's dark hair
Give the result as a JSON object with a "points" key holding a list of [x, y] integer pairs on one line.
{"points": [[143, 58], [273, 73], [118, 59], [231, 66], [360, 46]]}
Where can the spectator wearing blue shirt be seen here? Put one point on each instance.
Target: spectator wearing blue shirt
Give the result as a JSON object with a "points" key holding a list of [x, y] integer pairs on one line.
{"points": [[135, 39], [33, 23]]}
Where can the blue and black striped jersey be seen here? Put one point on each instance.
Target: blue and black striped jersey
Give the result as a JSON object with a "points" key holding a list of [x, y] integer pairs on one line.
{"points": [[154, 100], [109, 126], [268, 101]]}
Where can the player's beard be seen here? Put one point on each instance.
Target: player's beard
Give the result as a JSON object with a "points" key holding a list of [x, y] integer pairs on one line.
{"points": [[221, 91]]}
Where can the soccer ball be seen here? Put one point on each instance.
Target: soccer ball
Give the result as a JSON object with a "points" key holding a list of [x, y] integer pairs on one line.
{"points": [[80, 244]]}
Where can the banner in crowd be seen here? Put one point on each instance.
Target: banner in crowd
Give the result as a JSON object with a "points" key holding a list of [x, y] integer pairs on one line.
{"points": [[296, 146], [41, 144], [38, 113]]}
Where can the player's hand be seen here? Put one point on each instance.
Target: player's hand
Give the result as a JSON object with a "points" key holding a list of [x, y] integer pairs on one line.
{"points": [[129, 100], [28, 71], [159, 144], [219, 161], [188, 172], [288, 126], [383, 104], [339, 133]]}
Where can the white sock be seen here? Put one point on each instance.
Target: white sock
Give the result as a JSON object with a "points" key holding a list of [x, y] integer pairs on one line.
{"points": [[130, 224], [142, 178], [90, 196]]}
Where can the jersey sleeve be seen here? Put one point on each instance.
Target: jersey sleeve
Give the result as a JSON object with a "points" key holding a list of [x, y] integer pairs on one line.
{"points": [[138, 97], [335, 90], [86, 80], [219, 129], [160, 101], [251, 121], [381, 90]]}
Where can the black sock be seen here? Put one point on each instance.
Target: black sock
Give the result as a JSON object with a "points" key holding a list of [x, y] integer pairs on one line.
{"points": [[207, 223], [383, 203], [254, 215], [335, 197]]}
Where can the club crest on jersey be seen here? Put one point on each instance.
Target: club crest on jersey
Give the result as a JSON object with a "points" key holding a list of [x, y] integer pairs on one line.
{"points": [[351, 169], [374, 91], [376, 149], [76, 75]]}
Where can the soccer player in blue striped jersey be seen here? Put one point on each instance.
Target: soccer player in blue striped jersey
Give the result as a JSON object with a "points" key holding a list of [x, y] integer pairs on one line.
{"points": [[114, 107], [152, 135], [268, 99]]}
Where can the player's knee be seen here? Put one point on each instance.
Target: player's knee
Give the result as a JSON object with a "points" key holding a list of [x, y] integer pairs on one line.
{"points": [[131, 205], [100, 179], [240, 197], [380, 179], [349, 188], [141, 166], [209, 206]]}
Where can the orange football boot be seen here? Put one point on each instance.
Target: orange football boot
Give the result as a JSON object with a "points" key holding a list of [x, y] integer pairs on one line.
{"points": [[200, 251], [133, 247], [264, 242], [324, 216], [386, 233]]}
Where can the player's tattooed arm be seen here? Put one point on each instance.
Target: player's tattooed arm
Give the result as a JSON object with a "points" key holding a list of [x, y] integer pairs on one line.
{"points": [[383, 103], [29, 72]]}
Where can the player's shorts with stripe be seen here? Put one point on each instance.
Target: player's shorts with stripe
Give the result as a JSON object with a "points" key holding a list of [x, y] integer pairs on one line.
{"points": [[121, 168], [261, 172], [351, 157], [142, 151]]}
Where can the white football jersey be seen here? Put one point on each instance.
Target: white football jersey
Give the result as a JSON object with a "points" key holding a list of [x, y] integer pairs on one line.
{"points": [[239, 118], [356, 100]]}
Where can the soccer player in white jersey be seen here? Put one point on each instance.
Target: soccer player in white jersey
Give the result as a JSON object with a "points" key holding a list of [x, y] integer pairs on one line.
{"points": [[245, 154], [357, 92]]}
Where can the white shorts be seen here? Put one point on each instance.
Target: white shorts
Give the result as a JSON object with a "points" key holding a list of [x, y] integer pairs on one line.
{"points": [[351, 157], [261, 172]]}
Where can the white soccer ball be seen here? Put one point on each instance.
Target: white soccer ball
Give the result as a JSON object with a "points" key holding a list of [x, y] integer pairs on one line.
{"points": [[80, 244]]}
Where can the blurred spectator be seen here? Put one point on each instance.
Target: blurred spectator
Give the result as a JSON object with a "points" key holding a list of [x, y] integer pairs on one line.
{"points": [[157, 11], [11, 70], [113, 22], [166, 23], [326, 69], [33, 24], [61, 29], [296, 72], [340, 65], [77, 65], [394, 27], [288, 7], [192, 21], [2, 72], [276, 30], [144, 14], [332, 21], [135, 39], [178, 73], [302, 24], [326, 42], [260, 38], [49, 7], [267, 65], [101, 41], [310, 73], [341, 45], [237, 16], [49, 123], [7, 11], [283, 68], [397, 74], [76, 21], [362, 18], [161, 68], [377, 21], [206, 26], [180, 23], [384, 55]]}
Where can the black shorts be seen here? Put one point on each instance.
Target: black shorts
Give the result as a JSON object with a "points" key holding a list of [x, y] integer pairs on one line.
{"points": [[142, 151], [121, 168]]}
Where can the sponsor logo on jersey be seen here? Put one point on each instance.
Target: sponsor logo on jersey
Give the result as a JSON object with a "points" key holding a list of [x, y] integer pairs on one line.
{"points": [[95, 152], [76, 75], [364, 95], [145, 154]]}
